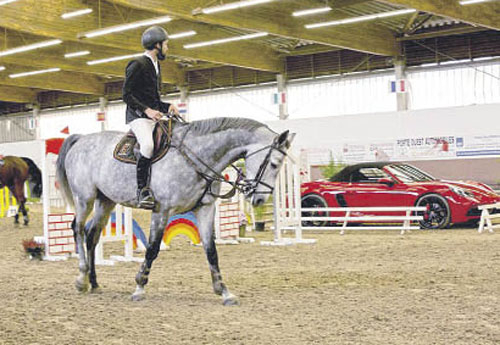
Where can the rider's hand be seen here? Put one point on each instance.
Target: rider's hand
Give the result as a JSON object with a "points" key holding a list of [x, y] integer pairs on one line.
{"points": [[173, 110], [154, 115]]}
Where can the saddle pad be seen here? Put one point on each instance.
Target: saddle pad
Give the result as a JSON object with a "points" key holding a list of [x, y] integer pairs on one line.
{"points": [[128, 145]]}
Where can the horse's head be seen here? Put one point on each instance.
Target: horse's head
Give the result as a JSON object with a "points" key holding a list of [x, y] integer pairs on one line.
{"points": [[263, 163]]}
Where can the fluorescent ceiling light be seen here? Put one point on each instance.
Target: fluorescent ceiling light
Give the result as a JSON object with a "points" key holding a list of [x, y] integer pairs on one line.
{"points": [[452, 62], [127, 26], [25, 74], [233, 5], [431, 64], [75, 54], [485, 58], [360, 19], [114, 58], [470, 2], [2, 68], [76, 13], [182, 34], [5, 2], [29, 47], [311, 11], [225, 40]]}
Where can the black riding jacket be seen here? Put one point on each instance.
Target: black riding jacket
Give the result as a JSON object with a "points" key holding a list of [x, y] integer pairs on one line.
{"points": [[141, 89]]}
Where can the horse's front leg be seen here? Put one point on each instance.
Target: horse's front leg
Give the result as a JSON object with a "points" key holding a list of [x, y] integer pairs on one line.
{"points": [[205, 216], [158, 223]]}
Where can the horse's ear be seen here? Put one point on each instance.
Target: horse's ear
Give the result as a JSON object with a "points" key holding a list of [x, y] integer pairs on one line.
{"points": [[282, 137]]}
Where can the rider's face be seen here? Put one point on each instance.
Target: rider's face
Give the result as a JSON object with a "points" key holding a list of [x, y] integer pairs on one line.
{"points": [[164, 47]]}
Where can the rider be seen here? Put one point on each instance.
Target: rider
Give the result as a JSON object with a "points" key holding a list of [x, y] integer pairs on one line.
{"points": [[141, 93]]}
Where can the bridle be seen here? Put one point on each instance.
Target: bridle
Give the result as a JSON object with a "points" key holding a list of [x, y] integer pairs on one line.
{"points": [[249, 187], [246, 186]]}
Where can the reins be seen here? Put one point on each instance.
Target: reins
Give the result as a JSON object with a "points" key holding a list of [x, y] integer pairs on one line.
{"points": [[245, 186]]}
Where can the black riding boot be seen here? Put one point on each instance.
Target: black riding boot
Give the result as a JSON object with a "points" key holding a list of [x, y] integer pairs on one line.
{"points": [[145, 197]]}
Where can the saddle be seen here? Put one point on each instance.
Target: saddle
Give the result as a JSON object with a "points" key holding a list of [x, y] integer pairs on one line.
{"points": [[127, 150]]}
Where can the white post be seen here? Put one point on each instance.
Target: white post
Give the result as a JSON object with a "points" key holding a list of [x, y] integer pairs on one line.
{"points": [[129, 233], [45, 198], [406, 223], [346, 220], [484, 213]]}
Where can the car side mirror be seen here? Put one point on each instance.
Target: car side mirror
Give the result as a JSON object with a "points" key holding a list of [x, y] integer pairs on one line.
{"points": [[386, 181]]}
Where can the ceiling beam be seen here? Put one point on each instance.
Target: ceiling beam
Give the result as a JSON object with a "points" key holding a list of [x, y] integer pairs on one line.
{"points": [[51, 25], [483, 14], [276, 19], [17, 94], [62, 81], [442, 33]]}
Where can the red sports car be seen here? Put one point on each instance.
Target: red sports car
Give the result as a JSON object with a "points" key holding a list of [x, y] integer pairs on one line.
{"points": [[399, 184]]}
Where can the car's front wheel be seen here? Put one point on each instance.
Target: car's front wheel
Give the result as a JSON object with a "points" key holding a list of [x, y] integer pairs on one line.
{"points": [[314, 201], [437, 215]]}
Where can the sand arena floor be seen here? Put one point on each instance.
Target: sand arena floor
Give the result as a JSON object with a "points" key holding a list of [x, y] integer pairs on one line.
{"points": [[432, 287]]}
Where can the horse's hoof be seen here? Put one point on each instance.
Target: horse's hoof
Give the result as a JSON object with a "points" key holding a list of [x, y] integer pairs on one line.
{"points": [[136, 297], [82, 285], [230, 301], [95, 290]]}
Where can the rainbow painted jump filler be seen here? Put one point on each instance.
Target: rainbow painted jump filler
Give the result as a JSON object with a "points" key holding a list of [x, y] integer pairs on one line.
{"points": [[187, 178]]}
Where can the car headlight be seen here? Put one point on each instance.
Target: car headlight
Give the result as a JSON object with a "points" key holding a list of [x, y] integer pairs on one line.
{"points": [[462, 192]]}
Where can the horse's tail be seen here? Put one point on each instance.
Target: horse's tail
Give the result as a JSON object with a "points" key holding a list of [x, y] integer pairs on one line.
{"points": [[61, 168], [35, 176]]}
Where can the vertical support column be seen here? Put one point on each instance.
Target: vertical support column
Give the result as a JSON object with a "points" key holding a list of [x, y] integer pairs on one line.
{"points": [[184, 105], [400, 71], [36, 118], [282, 97], [103, 105]]}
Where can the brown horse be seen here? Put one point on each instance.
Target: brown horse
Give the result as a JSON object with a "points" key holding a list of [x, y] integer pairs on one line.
{"points": [[13, 173]]}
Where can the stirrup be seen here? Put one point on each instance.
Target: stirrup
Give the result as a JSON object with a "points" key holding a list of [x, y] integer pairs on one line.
{"points": [[145, 199]]}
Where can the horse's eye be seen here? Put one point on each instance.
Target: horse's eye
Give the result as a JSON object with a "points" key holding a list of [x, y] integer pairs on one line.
{"points": [[274, 166]]}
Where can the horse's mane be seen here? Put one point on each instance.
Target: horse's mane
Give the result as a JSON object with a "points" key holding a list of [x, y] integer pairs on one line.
{"points": [[219, 124]]}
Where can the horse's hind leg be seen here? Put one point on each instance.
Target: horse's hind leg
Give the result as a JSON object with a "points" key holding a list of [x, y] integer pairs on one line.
{"points": [[102, 209], [205, 216], [158, 223], [18, 191], [13, 191], [83, 209]]}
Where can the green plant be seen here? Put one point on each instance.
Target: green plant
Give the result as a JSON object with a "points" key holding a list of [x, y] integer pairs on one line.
{"points": [[332, 168], [259, 212]]}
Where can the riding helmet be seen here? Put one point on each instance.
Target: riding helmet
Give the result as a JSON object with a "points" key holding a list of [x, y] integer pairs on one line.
{"points": [[153, 35]]}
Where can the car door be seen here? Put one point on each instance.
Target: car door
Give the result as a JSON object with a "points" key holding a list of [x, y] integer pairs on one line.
{"points": [[370, 187]]}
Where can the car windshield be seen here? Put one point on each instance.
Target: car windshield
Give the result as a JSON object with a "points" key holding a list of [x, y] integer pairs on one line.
{"points": [[408, 173]]}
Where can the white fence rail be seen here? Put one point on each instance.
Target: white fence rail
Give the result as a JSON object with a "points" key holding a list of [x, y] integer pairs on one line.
{"points": [[406, 219]]}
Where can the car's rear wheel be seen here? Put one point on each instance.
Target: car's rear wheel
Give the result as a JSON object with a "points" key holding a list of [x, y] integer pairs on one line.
{"points": [[314, 201], [437, 215]]}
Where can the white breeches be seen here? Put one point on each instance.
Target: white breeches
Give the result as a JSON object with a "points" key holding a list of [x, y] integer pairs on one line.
{"points": [[143, 130]]}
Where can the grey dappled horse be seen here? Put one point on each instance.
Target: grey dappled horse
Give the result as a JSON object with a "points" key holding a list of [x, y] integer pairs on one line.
{"points": [[185, 179]]}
